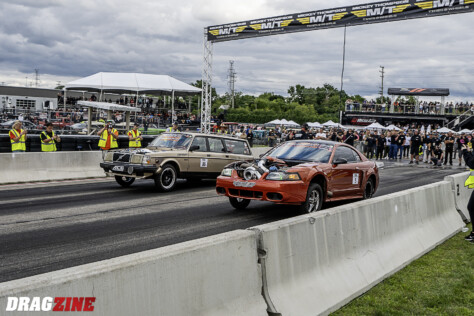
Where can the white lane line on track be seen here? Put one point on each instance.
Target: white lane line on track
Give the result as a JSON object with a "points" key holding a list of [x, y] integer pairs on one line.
{"points": [[31, 200], [29, 185], [73, 216]]}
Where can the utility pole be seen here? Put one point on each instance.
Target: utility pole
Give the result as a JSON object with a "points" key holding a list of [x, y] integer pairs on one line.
{"points": [[36, 77], [231, 77], [382, 74]]}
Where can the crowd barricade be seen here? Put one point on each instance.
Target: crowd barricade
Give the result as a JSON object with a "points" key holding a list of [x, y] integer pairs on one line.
{"points": [[461, 194], [316, 263], [213, 276]]}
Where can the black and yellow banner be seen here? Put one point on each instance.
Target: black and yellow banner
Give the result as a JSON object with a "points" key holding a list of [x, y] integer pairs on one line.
{"points": [[376, 12]]}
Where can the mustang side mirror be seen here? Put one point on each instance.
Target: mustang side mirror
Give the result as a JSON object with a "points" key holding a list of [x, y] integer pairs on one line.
{"points": [[339, 161], [193, 148]]}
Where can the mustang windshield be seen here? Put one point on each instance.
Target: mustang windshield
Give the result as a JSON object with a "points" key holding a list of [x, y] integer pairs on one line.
{"points": [[172, 141], [303, 151]]}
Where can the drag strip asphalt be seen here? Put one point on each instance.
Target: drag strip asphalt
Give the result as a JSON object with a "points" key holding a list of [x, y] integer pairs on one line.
{"points": [[51, 226]]}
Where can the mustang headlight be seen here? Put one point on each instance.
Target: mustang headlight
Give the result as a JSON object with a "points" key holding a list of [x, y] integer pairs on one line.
{"points": [[226, 172], [283, 176]]}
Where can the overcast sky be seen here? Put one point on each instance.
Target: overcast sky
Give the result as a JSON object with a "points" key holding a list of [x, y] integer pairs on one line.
{"points": [[67, 40]]}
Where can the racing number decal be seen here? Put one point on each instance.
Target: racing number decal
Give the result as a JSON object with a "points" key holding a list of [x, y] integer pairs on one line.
{"points": [[203, 163], [355, 178]]}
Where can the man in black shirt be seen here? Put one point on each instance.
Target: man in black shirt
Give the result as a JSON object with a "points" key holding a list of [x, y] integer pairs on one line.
{"points": [[250, 137], [461, 141], [350, 137], [392, 154], [303, 134], [449, 142], [380, 143], [415, 144], [371, 141], [437, 156], [400, 141]]}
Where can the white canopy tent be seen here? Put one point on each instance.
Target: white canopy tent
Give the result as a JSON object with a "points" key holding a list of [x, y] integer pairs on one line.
{"points": [[332, 124], [292, 123], [375, 125], [444, 130], [121, 83], [393, 128], [274, 122], [465, 131], [314, 124]]}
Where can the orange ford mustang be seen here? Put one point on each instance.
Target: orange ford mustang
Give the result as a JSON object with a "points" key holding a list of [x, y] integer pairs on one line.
{"points": [[306, 173]]}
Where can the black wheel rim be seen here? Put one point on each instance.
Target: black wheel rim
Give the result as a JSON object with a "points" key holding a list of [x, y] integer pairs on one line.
{"points": [[368, 190], [127, 179], [313, 201], [167, 178]]}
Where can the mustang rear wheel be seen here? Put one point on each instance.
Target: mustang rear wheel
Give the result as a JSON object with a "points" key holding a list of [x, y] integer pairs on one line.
{"points": [[239, 203], [314, 199], [166, 180], [369, 189], [124, 181]]}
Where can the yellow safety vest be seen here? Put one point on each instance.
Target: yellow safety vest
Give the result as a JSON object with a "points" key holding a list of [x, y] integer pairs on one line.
{"points": [[470, 180], [103, 139], [170, 130], [19, 144], [51, 146], [135, 143]]}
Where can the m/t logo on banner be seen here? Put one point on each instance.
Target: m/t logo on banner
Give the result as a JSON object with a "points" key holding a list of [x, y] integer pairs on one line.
{"points": [[46, 304]]}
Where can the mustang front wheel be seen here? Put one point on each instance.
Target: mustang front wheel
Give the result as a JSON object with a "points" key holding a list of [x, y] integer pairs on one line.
{"points": [[369, 189], [314, 199], [238, 203], [124, 181]]}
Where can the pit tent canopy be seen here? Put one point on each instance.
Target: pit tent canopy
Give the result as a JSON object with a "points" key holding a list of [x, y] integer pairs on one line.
{"points": [[121, 83]]}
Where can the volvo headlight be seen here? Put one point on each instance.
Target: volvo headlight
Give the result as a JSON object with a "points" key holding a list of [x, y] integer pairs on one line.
{"points": [[146, 160], [109, 156], [283, 176], [226, 172]]}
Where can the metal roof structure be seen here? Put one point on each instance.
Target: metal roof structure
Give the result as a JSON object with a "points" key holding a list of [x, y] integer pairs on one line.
{"points": [[108, 106]]}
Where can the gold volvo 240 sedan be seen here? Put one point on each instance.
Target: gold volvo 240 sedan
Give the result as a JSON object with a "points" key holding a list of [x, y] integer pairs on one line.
{"points": [[176, 155]]}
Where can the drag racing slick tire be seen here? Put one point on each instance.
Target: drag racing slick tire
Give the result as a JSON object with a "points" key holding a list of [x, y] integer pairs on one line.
{"points": [[369, 189], [124, 181], [166, 180], [314, 199], [239, 203]]}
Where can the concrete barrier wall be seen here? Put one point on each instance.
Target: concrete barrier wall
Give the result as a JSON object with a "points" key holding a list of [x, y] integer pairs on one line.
{"points": [[27, 167], [213, 276], [317, 263], [461, 193]]}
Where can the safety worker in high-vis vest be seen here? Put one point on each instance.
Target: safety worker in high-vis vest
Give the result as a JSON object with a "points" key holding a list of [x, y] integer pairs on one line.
{"points": [[135, 137], [222, 130], [108, 136], [469, 160], [173, 129], [18, 137], [49, 139]]}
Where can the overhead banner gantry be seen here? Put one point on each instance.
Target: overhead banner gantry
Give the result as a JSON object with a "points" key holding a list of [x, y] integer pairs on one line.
{"points": [[377, 12]]}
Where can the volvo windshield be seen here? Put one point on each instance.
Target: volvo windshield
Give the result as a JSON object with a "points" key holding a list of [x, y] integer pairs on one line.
{"points": [[304, 151], [172, 141]]}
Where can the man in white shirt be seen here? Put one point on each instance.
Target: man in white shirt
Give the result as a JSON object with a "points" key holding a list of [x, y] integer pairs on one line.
{"points": [[321, 134]]}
